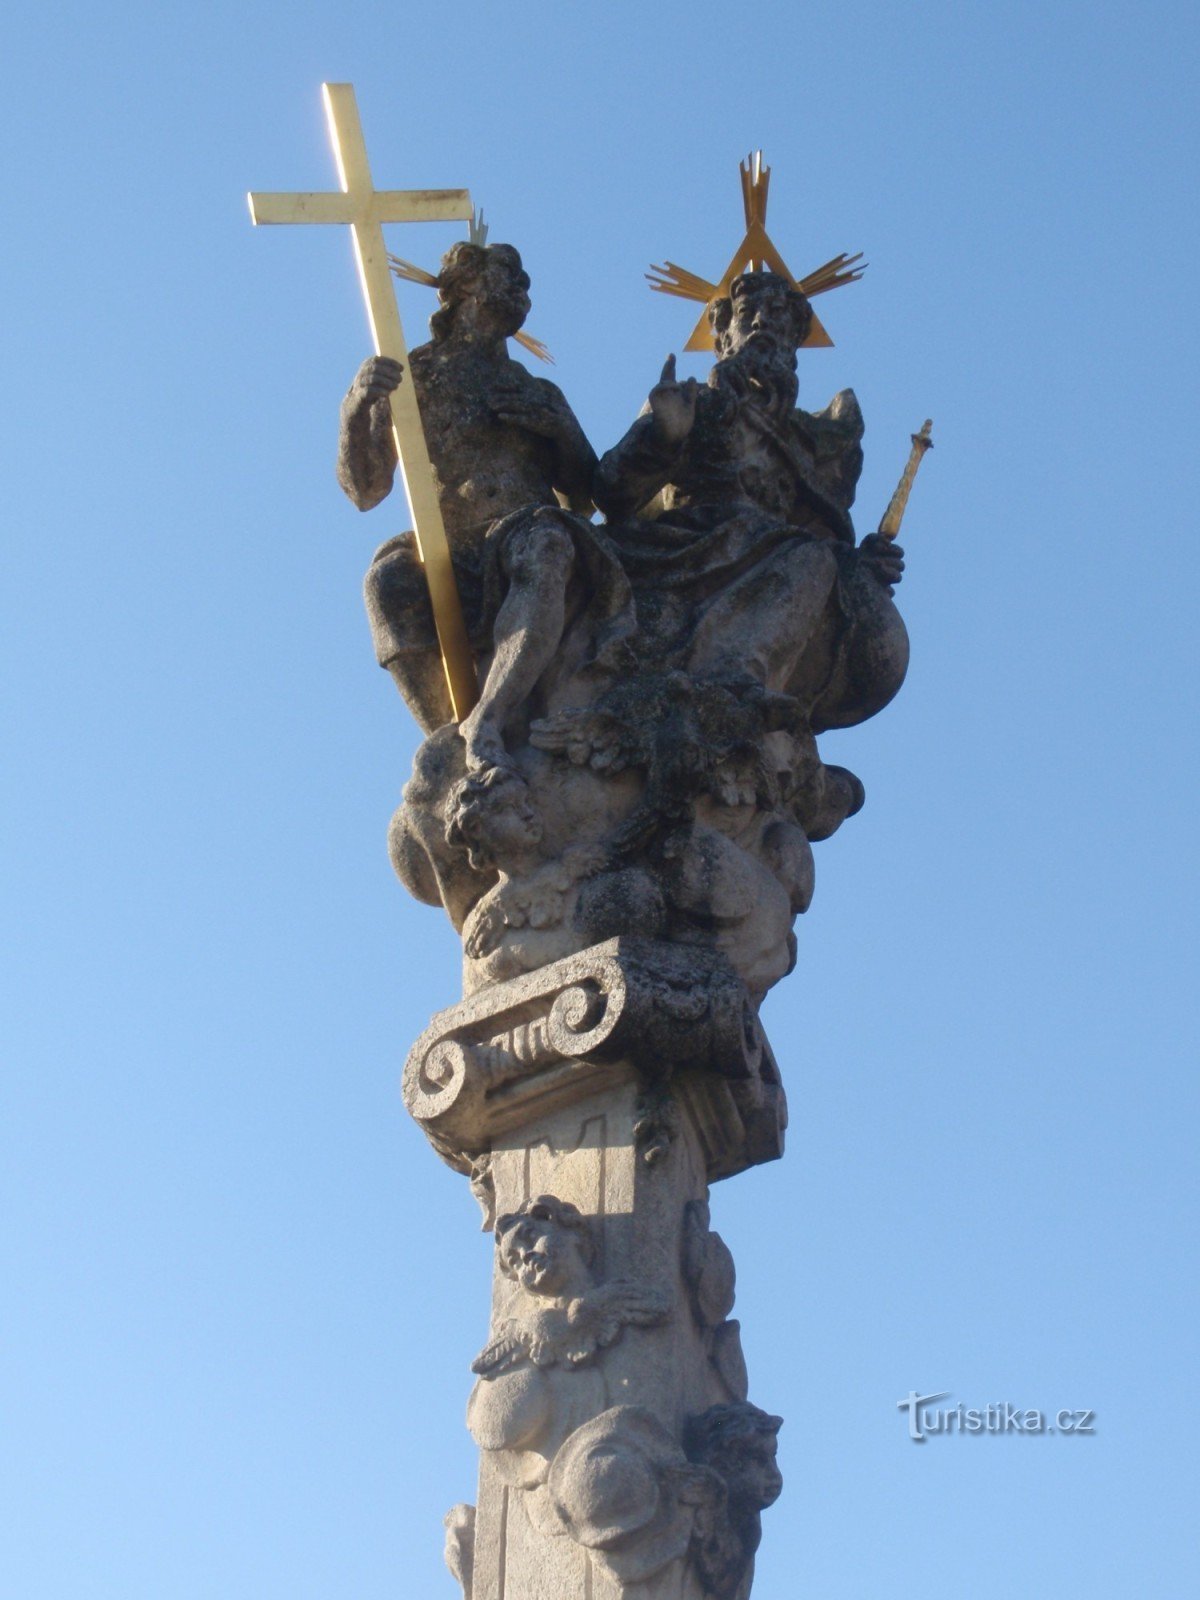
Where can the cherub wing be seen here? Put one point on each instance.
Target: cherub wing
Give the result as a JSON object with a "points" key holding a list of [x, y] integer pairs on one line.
{"points": [[584, 737], [642, 1304], [598, 1318], [512, 1345]]}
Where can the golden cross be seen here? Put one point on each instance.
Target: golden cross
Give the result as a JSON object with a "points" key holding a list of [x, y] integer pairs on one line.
{"points": [[365, 209]]}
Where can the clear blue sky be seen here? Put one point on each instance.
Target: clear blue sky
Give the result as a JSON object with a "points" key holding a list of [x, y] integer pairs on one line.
{"points": [[241, 1294]]}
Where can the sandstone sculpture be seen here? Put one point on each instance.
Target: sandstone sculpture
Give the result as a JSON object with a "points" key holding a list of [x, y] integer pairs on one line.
{"points": [[621, 830]]}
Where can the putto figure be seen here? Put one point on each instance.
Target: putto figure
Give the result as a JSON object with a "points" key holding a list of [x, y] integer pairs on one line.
{"points": [[526, 914], [537, 1375], [564, 1316], [739, 1444]]}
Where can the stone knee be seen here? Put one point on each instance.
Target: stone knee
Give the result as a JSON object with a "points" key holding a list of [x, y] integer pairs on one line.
{"points": [[814, 560], [541, 552], [396, 595], [766, 622]]}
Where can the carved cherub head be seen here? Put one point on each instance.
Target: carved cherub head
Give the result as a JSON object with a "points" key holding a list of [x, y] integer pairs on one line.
{"points": [[483, 289], [546, 1247], [492, 815], [761, 311], [738, 1442]]}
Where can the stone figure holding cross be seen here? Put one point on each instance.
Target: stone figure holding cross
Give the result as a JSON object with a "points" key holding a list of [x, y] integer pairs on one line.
{"points": [[615, 803], [720, 619], [513, 472]]}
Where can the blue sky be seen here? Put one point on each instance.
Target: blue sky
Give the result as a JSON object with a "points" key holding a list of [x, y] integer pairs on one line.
{"points": [[242, 1294]]}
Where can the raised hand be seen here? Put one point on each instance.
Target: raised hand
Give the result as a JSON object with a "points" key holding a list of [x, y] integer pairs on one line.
{"points": [[366, 447], [673, 405]]}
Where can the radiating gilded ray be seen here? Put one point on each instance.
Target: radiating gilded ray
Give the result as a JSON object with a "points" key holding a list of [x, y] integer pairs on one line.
{"points": [[678, 280], [534, 346], [757, 250], [832, 275], [756, 180], [410, 273]]}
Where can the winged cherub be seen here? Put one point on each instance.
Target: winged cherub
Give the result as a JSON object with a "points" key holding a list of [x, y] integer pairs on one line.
{"points": [[564, 1317], [492, 815]]}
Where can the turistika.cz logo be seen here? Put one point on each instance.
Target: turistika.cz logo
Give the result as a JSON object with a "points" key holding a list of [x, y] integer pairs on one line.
{"points": [[925, 1417]]}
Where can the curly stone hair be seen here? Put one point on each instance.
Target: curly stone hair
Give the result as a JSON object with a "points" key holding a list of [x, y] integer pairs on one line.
{"points": [[724, 1432], [720, 312], [466, 807], [546, 1208], [462, 267]]}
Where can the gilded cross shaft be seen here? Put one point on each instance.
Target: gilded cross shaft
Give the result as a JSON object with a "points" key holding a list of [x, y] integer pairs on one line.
{"points": [[364, 209]]}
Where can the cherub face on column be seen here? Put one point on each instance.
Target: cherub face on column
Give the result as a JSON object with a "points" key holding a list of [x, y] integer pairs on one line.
{"points": [[547, 1248], [563, 1316], [537, 1375], [738, 1443]]}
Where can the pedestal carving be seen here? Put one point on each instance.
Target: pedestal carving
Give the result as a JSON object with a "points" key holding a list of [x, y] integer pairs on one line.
{"points": [[621, 829], [668, 1016]]}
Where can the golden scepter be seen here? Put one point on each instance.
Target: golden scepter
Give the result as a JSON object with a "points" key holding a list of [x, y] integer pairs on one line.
{"points": [[894, 515]]}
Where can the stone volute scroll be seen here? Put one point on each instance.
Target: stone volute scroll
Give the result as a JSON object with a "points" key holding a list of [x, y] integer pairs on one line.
{"points": [[615, 800]]}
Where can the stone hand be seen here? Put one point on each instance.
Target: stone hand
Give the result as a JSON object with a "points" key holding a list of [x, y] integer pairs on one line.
{"points": [[584, 860], [673, 405], [533, 415], [376, 379], [882, 559]]}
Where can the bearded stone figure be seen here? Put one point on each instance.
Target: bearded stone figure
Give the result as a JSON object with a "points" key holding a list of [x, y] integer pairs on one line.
{"points": [[621, 831], [651, 686]]}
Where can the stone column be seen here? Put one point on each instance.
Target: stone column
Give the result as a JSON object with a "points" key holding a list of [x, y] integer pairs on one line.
{"points": [[591, 1104], [621, 831]]}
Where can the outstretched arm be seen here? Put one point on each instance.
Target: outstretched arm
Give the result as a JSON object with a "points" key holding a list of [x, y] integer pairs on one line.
{"points": [[366, 462]]}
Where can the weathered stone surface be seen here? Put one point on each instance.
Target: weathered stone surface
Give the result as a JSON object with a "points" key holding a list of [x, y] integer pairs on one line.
{"points": [[643, 757], [500, 441], [678, 1020], [610, 1338], [622, 833]]}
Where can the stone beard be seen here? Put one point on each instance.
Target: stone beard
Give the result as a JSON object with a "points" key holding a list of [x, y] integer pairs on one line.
{"points": [[622, 833], [763, 374]]}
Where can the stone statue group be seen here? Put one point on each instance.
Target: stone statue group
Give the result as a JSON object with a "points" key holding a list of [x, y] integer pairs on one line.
{"points": [[620, 827], [642, 759]]}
